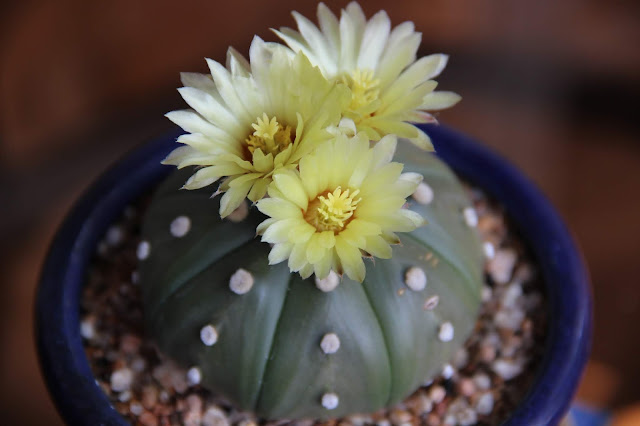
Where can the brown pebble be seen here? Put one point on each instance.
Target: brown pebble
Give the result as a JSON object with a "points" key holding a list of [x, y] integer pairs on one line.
{"points": [[149, 397], [487, 353], [433, 420], [130, 344], [148, 419], [466, 387], [399, 416]]}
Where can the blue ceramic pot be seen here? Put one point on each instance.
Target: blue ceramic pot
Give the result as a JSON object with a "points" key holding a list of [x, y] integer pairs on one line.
{"points": [[66, 368]]}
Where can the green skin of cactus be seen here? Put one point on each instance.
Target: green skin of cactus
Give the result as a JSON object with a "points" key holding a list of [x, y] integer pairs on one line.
{"points": [[268, 359]]}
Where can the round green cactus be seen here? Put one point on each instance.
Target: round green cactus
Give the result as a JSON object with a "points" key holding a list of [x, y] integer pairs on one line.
{"points": [[276, 344]]}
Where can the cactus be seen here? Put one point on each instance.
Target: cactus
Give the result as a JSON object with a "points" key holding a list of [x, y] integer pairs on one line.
{"points": [[274, 343]]}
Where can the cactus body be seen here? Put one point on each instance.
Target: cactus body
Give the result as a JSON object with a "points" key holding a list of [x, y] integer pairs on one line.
{"points": [[268, 356]]}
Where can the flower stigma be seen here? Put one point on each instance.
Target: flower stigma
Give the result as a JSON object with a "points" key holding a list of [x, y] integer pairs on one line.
{"points": [[332, 211], [364, 88], [269, 136]]}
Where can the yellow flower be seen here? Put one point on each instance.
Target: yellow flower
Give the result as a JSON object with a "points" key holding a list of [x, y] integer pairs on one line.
{"points": [[389, 87], [251, 119], [344, 202]]}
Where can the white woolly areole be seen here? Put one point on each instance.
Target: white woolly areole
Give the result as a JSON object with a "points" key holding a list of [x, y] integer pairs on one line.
{"points": [[209, 335], [431, 303], [447, 371], [330, 343], [180, 226], [194, 376], [241, 281], [470, 216], [489, 250], [415, 278], [423, 194], [240, 213], [330, 401], [445, 334], [143, 250], [329, 283]]}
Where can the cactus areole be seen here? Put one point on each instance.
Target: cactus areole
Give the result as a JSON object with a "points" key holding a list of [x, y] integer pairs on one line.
{"points": [[285, 347]]}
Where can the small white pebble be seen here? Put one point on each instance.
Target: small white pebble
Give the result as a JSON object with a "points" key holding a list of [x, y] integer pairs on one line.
{"points": [[501, 266], [138, 364], [136, 408], [164, 396], [431, 303], [330, 401], [330, 343], [510, 319], [415, 278], [489, 250], [144, 248], [447, 371], [209, 335], [423, 194], [470, 216], [482, 381], [114, 236], [512, 295], [240, 213], [506, 369], [135, 277], [87, 328], [329, 283], [124, 396], [484, 404], [214, 416], [437, 394], [194, 376], [445, 334], [486, 293], [121, 379], [180, 226], [241, 281]]}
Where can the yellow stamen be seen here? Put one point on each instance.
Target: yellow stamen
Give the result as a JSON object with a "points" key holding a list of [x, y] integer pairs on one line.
{"points": [[269, 136], [364, 88], [332, 211]]}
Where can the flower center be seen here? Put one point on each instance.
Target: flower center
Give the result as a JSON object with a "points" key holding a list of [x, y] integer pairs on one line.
{"points": [[269, 136], [333, 210], [364, 88]]}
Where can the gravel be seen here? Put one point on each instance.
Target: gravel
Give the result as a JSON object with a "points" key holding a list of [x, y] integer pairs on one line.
{"points": [[481, 385]]}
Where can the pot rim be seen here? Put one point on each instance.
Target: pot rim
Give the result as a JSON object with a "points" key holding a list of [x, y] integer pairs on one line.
{"points": [[80, 400]]}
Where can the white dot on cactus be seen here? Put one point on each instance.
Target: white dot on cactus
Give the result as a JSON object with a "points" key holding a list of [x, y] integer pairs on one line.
{"points": [[447, 371], [415, 278], [423, 194], [329, 283], [209, 335], [445, 334], [180, 226], [143, 250], [194, 376], [330, 343], [241, 281], [240, 213], [489, 250], [470, 216], [330, 401], [431, 303]]}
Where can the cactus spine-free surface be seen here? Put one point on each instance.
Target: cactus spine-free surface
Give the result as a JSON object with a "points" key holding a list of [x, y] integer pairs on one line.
{"points": [[283, 348]]}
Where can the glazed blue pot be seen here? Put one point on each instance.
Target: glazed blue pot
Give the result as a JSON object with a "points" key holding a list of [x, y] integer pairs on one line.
{"points": [[81, 401]]}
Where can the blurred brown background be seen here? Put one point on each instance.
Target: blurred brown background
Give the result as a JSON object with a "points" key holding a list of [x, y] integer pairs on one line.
{"points": [[552, 85]]}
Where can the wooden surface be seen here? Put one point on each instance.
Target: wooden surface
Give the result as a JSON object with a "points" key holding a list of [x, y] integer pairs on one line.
{"points": [[553, 86]]}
